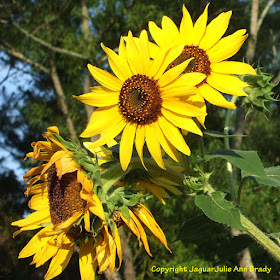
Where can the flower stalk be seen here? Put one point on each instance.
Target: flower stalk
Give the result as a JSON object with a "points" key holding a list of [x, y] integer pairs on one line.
{"points": [[261, 238]]}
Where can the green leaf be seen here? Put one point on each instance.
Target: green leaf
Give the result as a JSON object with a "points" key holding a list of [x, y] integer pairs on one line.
{"points": [[248, 161], [218, 134], [125, 211], [271, 178], [220, 210], [233, 246]]}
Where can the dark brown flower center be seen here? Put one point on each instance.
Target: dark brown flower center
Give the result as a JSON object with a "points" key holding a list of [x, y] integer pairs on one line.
{"points": [[64, 196], [200, 62], [140, 100]]}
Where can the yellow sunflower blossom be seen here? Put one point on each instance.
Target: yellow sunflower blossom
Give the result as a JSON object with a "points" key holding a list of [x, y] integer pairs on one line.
{"points": [[143, 101], [61, 195], [204, 43]]}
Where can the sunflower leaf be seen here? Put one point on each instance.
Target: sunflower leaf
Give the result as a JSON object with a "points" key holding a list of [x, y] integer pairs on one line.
{"points": [[218, 134], [271, 178], [125, 211], [220, 210], [247, 161]]}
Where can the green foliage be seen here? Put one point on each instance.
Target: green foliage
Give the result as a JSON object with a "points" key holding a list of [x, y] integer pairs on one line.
{"points": [[218, 209]]}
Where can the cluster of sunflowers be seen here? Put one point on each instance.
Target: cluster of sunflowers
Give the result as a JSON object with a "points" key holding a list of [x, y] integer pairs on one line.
{"points": [[157, 95]]}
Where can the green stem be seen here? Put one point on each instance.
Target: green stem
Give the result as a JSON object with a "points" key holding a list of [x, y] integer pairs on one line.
{"points": [[185, 163], [202, 152], [261, 238], [227, 146]]}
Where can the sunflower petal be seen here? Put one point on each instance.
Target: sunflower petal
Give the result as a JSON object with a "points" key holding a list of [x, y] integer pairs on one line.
{"points": [[139, 142], [182, 122], [214, 97], [227, 46], [86, 261], [153, 145], [100, 99], [104, 78], [200, 27], [173, 73], [126, 145], [166, 145], [100, 119], [173, 135], [118, 64], [59, 262], [186, 27], [232, 67], [227, 83], [215, 30]]}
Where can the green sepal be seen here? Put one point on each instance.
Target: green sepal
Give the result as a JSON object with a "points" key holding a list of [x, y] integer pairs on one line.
{"points": [[125, 211]]}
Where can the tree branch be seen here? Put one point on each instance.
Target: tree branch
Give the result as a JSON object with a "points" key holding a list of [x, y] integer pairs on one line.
{"points": [[48, 45], [264, 12], [61, 97], [22, 57]]}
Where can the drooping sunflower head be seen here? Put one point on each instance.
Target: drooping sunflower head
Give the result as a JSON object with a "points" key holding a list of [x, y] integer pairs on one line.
{"points": [[204, 43], [63, 201], [143, 100]]}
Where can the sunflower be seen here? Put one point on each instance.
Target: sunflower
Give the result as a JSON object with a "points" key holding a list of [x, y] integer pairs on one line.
{"points": [[143, 101], [204, 43], [62, 198]]}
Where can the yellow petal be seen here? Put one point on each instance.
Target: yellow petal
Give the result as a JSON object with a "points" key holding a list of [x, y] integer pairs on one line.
{"points": [[227, 83], [182, 122], [44, 255], [34, 244], [139, 142], [188, 79], [117, 240], [86, 263], [215, 30], [166, 145], [170, 28], [39, 201], [100, 99], [186, 28], [158, 34], [232, 67], [101, 119], [59, 262], [200, 27], [133, 56], [156, 190], [144, 52], [69, 222], [154, 50], [141, 231], [104, 78], [173, 73], [126, 145], [36, 217], [108, 135], [118, 64], [153, 145], [163, 59], [183, 108], [214, 97], [173, 135], [227, 46]]}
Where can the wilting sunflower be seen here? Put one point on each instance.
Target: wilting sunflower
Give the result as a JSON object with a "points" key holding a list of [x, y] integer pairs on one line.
{"points": [[63, 201], [139, 215], [143, 101], [203, 43]]}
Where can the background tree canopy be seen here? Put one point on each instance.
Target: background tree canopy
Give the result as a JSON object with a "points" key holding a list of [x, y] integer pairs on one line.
{"points": [[44, 49]]}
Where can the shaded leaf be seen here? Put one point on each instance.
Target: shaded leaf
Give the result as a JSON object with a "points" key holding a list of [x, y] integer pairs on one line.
{"points": [[218, 209], [248, 161]]}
